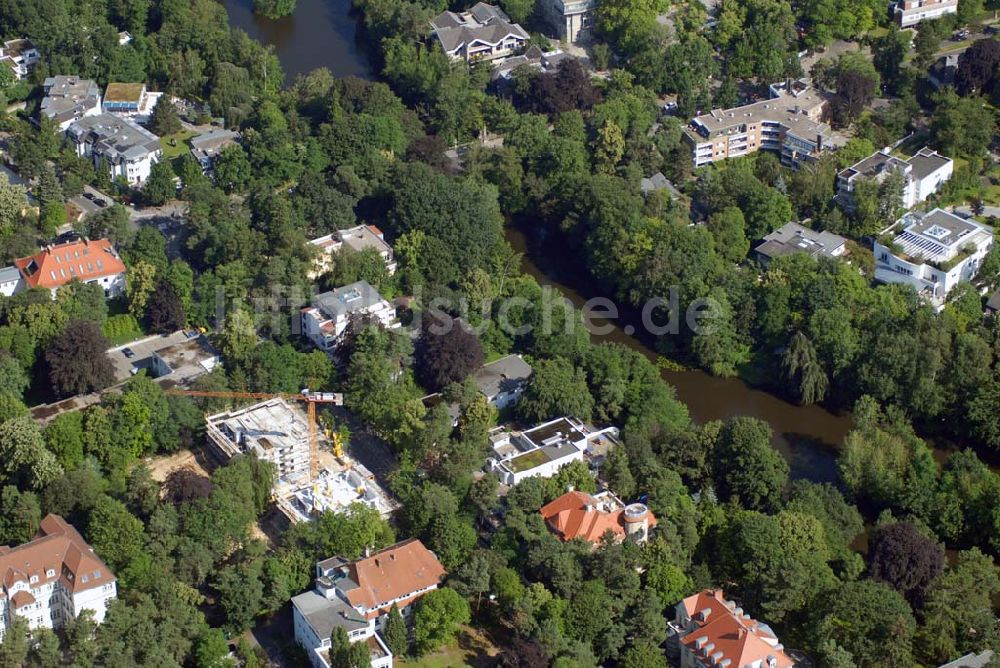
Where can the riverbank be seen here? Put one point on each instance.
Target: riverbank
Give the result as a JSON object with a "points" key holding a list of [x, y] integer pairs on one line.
{"points": [[807, 436]]}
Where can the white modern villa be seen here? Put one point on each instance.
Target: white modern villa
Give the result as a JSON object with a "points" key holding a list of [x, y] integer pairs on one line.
{"points": [[933, 252]]}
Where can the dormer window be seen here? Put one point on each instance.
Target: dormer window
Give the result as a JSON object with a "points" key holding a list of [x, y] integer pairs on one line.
{"points": [[50, 573], [33, 579], [84, 579], [97, 574]]}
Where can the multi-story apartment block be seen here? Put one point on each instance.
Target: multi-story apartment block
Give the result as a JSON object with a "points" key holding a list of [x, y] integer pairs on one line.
{"points": [[911, 12], [272, 430], [572, 19], [130, 100], [923, 175], [68, 99], [359, 238], [484, 32], [713, 633], [20, 55], [53, 578], [789, 123], [933, 252], [123, 148], [325, 322]]}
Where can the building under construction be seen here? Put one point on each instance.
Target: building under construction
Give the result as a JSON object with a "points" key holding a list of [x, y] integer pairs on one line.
{"points": [[278, 432], [274, 430]]}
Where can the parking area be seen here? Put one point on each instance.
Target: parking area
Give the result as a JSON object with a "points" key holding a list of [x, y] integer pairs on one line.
{"points": [[138, 354], [91, 200]]}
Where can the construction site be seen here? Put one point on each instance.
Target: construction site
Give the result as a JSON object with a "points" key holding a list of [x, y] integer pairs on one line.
{"points": [[313, 471]]}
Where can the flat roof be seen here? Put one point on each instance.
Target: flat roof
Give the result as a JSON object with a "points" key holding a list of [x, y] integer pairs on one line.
{"points": [[269, 424], [124, 92], [190, 353], [325, 614], [347, 299], [937, 236], [926, 162]]}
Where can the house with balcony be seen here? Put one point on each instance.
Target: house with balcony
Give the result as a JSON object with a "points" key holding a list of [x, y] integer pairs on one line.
{"points": [[712, 632], [909, 13], [21, 56], [118, 145], [923, 175], [53, 579], [484, 32], [87, 261], [590, 517], [130, 100], [68, 99], [326, 319], [794, 238], [358, 595], [931, 252], [789, 123], [542, 450], [572, 19], [357, 239]]}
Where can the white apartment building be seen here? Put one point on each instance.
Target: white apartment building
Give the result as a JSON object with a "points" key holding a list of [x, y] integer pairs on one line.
{"points": [[273, 430], [68, 99], [124, 148], [53, 578], [358, 595], [10, 281], [572, 19], [911, 12], [789, 123], [325, 322], [542, 450], [359, 238], [484, 32], [923, 175], [20, 55], [933, 252]]}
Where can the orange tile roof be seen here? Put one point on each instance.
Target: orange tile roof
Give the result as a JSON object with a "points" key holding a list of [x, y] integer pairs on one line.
{"points": [[59, 548], [58, 265], [395, 572], [726, 635], [579, 515]]}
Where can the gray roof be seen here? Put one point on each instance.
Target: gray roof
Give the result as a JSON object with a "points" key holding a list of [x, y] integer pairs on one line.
{"points": [[9, 274], [325, 614], [68, 97], [993, 303], [348, 299], [926, 162], [115, 138], [502, 375], [484, 23], [971, 660], [795, 238], [658, 182], [210, 144]]}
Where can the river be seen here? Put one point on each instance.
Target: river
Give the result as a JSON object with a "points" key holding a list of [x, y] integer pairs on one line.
{"points": [[321, 33], [807, 436]]}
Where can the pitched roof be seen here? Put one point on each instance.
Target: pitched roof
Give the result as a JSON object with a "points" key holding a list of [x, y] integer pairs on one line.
{"points": [[57, 548], [580, 515], [482, 23], [502, 375], [396, 572], [85, 260], [726, 633]]}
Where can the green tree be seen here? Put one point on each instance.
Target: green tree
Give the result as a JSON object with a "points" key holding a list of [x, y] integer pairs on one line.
{"points": [[115, 533], [643, 654], [609, 147], [883, 614], [803, 371], [20, 516], [395, 632], [344, 654], [439, 615], [160, 187], [729, 229], [24, 461], [164, 119], [274, 9], [747, 466], [629, 22], [556, 388], [238, 336], [211, 650], [15, 646]]}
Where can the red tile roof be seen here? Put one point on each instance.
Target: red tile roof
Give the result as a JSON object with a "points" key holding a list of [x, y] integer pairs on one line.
{"points": [[724, 634], [580, 515], [58, 265], [57, 547], [396, 572]]}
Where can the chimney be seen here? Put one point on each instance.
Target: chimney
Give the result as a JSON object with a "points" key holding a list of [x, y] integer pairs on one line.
{"points": [[819, 142]]}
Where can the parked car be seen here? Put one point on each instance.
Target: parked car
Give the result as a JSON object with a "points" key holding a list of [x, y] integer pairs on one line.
{"points": [[89, 196], [128, 352], [101, 202], [962, 34]]}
